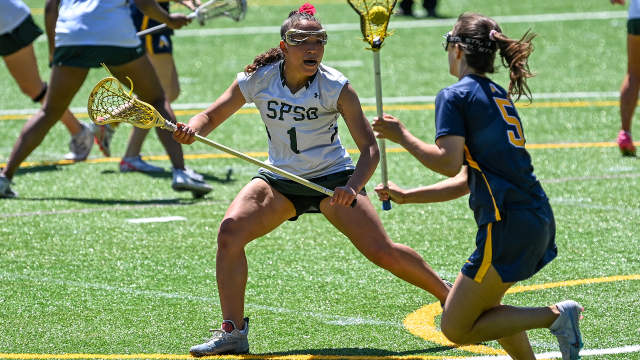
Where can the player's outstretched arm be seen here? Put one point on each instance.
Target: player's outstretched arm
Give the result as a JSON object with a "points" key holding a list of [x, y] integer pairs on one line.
{"points": [[445, 157], [207, 121], [155, 12], [360, 130], [50, 19], [448, 189]]}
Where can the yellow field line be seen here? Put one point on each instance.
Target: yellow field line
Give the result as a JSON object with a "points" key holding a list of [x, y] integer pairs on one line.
{"points": [[555, 104], [422, 322], [236, 357], [265, 154]]}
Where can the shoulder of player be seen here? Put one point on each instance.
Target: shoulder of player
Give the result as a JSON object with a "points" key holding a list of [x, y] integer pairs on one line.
{"points": [[331, 74], [262, 73]]}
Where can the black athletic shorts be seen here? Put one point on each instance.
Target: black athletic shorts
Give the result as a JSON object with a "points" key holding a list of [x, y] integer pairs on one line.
{"points": [[23, 35], [88, 56], [305, 199], [633, 27]]}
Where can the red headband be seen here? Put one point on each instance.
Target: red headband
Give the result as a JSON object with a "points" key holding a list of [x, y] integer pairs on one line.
{"points": [[307, 8]]}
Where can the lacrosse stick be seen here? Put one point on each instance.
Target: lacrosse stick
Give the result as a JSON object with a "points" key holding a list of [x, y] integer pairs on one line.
{"points": [[374, 19], [109, 102], [235, 9]]}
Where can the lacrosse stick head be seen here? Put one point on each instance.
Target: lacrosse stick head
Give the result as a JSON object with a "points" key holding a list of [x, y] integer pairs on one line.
{"points": [[235, 9], [374, 19], [109, 102]]}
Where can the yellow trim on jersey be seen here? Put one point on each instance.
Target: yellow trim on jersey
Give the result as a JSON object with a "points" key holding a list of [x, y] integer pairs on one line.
{"points": [[494, 89], [148, 40], [486, 258], [475, 165]]}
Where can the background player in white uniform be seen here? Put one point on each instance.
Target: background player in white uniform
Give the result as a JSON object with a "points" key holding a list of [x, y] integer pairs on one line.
{"points": [[631, 83], [89, 33], [300, 101], [17, 34]]}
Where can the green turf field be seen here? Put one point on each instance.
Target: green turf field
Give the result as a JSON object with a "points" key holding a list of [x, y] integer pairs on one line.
{"points": [[77, 278]]}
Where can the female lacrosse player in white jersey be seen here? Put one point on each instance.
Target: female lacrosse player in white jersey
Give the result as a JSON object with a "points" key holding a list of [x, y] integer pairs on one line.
{"points": [[300, 101], [87, 34]]}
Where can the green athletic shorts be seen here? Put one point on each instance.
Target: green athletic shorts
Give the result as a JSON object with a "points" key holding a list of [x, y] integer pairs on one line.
{"points": [[88, 56], [304, 199], [633, 27], [20, 37]]}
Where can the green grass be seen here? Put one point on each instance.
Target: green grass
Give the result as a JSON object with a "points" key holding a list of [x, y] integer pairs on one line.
{"points": [[76, 277]]}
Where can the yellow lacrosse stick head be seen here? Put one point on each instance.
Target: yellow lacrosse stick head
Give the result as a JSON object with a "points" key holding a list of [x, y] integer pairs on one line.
{"points": [[374, 19], [109, 102]]}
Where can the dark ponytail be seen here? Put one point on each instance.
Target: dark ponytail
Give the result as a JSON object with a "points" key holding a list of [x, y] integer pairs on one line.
{"points": [[275, 54], [514, 53]]}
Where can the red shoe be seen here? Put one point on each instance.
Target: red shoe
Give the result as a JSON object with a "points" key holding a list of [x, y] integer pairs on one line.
{"points": [[626, 144]]}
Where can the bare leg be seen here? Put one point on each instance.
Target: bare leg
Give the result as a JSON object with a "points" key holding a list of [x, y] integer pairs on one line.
{"points": [[363, 227], [256, 211], [470, 315], [24, 68], [65, 82], [148, 88], [631, 83]]}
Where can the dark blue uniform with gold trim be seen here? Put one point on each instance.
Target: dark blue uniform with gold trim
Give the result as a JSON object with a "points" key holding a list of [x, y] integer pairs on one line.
{"points": [[516, 226], [157, 42]]}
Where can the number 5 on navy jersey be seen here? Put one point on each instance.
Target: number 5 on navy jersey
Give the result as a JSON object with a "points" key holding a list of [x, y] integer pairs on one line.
{"points": [[516, 139]]}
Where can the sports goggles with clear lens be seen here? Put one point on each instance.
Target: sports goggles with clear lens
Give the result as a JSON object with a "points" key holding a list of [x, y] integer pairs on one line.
{"points": [[297, 37], [450, 40]]}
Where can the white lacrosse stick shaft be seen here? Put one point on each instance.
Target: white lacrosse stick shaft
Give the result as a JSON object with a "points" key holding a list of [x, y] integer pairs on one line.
{"points": [[386, 205]]}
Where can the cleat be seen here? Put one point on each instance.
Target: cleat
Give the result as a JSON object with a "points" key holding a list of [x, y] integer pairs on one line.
{"points": [[137, 164], [80, 145], [626, 143], [102, 136], [5, 188], [567, 330], [188, 180], [225, 341]]}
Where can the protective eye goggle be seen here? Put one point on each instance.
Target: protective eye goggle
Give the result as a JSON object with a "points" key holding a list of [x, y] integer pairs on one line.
{"points": [[450, 40], [296, 37]]}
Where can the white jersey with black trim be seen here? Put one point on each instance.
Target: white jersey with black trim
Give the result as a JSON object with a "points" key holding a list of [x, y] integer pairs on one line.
{"points": [[634, 9], [303, 127], [95, 23], [12, 14]]}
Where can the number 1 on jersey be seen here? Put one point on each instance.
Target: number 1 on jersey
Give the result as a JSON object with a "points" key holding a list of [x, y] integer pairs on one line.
{"points": [[294, 139]]}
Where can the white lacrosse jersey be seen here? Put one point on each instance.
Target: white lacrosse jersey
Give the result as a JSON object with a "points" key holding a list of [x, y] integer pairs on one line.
{"points": [[634, 9], [95, 23], [303, 127], [12, 14]]}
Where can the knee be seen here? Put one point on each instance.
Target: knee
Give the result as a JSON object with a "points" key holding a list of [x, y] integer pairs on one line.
{"points": [[230, 237], [453, 331], [383, 257]]}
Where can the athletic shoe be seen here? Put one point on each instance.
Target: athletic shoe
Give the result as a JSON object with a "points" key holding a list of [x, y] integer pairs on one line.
{"points": [[567, 330], [80, 144], [5, 188], [626, 144], [225, 341], [102, 136], [137, 164], [187, 180]]}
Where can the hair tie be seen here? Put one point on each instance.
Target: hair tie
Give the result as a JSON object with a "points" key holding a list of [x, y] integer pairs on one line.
{"points": [[307, 8], [493, 32]]}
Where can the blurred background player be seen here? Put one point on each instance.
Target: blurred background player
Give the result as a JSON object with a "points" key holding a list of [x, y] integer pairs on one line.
{"points": [[159, 50], [17, 34], [300, 101], [429, 5], [631, 82], [480, 145], [88, 34]]}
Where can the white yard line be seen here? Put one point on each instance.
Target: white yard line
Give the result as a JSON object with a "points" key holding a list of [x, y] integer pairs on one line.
{"points": [[332, 319], [157, 219], [557, 354]]}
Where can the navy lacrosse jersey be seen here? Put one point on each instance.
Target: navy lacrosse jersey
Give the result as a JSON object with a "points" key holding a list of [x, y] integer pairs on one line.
{"points": [[500, 170]]}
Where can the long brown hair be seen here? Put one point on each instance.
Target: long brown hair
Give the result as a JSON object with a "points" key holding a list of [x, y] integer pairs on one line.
{"points": [[514, 53], [275, 54]]}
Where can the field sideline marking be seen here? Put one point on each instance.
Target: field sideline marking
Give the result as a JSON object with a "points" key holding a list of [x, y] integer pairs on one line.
{"points": [[353, 151], [422, 322], [194, 109]]}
